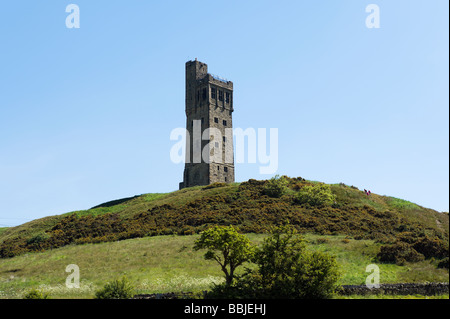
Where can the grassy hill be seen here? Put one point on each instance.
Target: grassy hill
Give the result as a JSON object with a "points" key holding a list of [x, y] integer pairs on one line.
{"points": [[161, 264], [189, 211], [140, 237]]}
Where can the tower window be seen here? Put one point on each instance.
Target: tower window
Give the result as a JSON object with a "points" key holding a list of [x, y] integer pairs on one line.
{"points": [[216, 120], [224, 139], [204, 94], [227, 97], [213, 93], [224, 122], [225, 169], [220, 95]]}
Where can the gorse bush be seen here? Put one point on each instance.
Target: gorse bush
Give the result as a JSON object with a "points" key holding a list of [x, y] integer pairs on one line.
{"points": [[431, 247], [243, 206], [276, 186], [413, 247], [443, 263], [399, 253], [315, 195], [35, 294], [117, 289], [37, 239]]}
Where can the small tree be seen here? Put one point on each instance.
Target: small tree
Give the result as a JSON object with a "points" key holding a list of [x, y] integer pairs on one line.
{"points": [[227, 247]]}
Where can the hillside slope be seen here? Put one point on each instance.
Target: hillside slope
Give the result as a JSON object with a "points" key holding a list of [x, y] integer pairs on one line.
{"points": [[161, 264], [188, 211]]}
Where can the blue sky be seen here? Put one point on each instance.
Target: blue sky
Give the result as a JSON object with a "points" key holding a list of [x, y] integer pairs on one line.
{"points": [[86, 114]]}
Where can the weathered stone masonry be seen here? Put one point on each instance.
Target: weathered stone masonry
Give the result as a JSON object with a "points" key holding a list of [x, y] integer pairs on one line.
{"points": [[426, 289], [209, 102]]}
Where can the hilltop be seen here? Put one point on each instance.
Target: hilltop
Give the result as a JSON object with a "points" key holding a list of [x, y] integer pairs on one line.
{"points": [[384, 219]]}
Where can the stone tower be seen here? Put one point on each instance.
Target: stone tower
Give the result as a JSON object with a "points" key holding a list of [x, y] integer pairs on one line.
{"points": [[209, 144]]}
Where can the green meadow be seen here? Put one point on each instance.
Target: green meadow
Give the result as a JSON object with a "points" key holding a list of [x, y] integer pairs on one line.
{"points": [[169, 264]]}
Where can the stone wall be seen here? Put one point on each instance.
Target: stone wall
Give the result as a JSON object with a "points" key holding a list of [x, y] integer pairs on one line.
{"points": [[172, 295], [426, 289]]}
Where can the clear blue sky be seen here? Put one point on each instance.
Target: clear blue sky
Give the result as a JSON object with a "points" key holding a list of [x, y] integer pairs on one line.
{"points": [[85, 114]]}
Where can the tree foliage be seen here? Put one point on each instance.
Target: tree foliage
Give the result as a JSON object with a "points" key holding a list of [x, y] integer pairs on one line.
{"points": [[285, 270], [316, 195], [227, 247]]}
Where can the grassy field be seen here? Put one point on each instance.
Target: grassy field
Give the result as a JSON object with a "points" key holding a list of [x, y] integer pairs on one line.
{"points": [[124, 238], [169, 264], [396, 297]]}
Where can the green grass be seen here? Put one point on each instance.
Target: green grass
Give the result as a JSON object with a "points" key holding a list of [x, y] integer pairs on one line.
{"points": [[153, 196], [354, 256], [98, 211], [153, 264], [128, 208], [3, 229], [401, 203], [395, 297], [169, 264]]}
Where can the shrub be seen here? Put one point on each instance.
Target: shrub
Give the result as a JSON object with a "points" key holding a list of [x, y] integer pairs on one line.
{"points": [[443, 263], [276, 186], [406, 236], [37, 239], [322, 241], [399, 253], [117, 289], [316, 195], [431, 247], [316, 276], [35, 294], [285, 270], [336, 205]]}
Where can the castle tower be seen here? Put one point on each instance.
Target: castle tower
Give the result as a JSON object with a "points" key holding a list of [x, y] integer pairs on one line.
{"points": [[209, 144]]}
